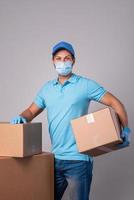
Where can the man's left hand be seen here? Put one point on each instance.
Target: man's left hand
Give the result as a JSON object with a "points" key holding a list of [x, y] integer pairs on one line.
{"points": [[126, 137]]}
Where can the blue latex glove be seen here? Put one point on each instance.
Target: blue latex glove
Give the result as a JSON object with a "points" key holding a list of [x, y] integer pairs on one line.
{"points": [[126, 137], [18, 120]]}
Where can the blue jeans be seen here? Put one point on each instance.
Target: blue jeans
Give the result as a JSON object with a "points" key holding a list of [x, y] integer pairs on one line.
{"points": [[77, 174]]}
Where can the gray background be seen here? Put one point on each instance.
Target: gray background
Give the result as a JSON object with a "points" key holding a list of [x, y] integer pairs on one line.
{"points": [[101, 32]]}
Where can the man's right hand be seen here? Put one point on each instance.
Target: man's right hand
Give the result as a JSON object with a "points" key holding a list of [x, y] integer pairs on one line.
{"points": [[18, 120], [27, 115]]}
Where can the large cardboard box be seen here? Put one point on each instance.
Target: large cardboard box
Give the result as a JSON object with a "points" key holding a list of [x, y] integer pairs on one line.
{"points": [[98, 132], [29, 178], [20, 140]]}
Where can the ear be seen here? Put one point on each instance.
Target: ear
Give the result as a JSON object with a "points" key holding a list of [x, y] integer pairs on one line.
{"points": [[73, 61], [53, 63]]}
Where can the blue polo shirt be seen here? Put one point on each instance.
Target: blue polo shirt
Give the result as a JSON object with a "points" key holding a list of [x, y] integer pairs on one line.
{"points": [[63, 103]]}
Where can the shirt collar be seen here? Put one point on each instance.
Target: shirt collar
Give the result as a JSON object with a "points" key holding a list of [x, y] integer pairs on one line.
{"points": [[73, 78]]}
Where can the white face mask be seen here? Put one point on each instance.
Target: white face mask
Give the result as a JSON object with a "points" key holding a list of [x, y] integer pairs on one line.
{"points": [[63, 68]]}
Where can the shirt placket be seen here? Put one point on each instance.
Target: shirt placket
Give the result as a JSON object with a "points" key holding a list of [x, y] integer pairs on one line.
{"points": [[61, 89]]}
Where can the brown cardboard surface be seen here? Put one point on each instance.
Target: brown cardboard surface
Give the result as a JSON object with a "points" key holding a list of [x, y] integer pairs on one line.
{"points": [[98, 132], [20, 140], [29, 178]]}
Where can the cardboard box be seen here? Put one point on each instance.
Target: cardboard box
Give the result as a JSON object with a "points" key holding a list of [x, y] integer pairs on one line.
{"points": [[20, 140], [29, 178], [98, 132]]}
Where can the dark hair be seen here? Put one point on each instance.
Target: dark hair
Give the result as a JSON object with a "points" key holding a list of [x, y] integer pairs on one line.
{"points": [[60, 50]]}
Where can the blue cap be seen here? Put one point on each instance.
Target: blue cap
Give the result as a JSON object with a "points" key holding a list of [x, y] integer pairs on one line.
{"points": [[64, 45]]}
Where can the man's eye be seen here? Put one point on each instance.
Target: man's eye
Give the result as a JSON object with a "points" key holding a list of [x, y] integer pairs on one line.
{"points": [[68, 58], [58, 58]]}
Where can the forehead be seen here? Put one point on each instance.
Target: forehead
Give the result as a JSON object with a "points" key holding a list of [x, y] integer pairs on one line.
{"points": [[62, 53]]}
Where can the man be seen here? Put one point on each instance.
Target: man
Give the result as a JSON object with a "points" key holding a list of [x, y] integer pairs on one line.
{"points": [[67, 97]]}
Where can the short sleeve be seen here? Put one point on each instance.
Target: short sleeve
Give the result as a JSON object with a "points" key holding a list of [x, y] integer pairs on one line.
{"points": [[95, 91], [39, 99]]}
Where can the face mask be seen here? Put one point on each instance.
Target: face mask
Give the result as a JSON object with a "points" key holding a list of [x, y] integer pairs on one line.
{"points": [[64, 68]]}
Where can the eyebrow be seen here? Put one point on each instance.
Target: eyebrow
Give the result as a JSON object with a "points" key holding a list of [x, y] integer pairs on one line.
{"points": [[64, 57]]}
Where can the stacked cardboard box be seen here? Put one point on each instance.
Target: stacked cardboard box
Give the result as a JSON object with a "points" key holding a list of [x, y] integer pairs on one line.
{"points": [[26, 173], [20, 140], [98, 132]]}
